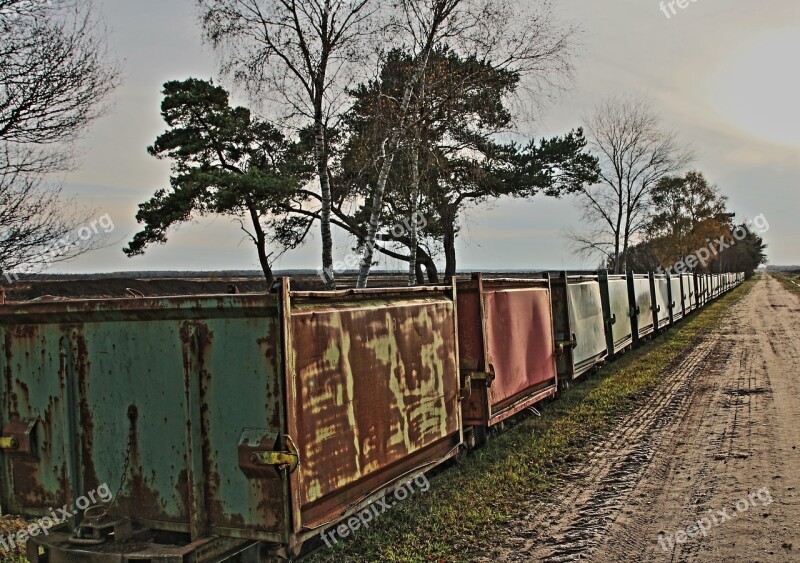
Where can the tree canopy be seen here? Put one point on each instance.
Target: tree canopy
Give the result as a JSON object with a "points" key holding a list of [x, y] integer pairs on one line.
{"points": [[450, 156], [55, 79], [224, 162], [689, 218]]}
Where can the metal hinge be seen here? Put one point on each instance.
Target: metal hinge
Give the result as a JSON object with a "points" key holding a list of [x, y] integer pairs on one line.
{"points": [[9, 443], [18, 438], [466, 391], [289, 459], [561, 345]]}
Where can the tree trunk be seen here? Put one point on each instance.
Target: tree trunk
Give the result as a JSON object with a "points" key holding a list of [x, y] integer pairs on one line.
{"points": [[386, 167], [449, 243], [321, 158], [412, 263], [265, 265], [424, 259], [617, 266], [261, 245]]}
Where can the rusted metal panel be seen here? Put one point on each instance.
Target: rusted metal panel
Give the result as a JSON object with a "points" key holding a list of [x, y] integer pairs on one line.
{"points": [[373, 392], [578, 320], [506, 346], [204, 395], [641, 299], [169, 384], [616, 311]]}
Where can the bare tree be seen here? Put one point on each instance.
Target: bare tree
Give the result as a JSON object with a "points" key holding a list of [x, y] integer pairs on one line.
{"points": [[38, 227], [517, 36], [302, 52], [54, 74], [634, 151], [54, 78]]}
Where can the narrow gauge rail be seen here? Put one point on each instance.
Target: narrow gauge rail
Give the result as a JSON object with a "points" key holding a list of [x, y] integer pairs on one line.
{"points": [[251, 423]]}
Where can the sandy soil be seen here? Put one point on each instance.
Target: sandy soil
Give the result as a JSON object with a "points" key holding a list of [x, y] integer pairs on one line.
{"points": [[707, 470]]}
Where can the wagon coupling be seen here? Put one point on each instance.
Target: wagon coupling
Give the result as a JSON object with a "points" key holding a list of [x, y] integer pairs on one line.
{"points": [[89, 534]]}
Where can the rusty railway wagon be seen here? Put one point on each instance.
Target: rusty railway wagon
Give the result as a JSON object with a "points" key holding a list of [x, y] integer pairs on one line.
{"points": [[245, 425], [506, 349], [227, 419]]}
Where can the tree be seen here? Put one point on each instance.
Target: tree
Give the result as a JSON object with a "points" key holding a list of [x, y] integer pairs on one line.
{"points": [[448, 150], [687, 213], [224, 162], [54, 78], [302, 52], [746, 254], [504, 34], [690, 228], [37, 224], [635, 153]]}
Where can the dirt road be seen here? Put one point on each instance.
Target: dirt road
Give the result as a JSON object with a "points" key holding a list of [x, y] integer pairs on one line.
{"points": [[707, 470]]}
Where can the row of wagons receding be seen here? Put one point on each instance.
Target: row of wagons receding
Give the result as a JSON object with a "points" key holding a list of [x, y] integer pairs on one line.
{"points": [[249, 424]]}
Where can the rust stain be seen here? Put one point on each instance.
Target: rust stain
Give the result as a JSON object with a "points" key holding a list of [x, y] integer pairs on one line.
{"points": [[86, 422], [371, 391]]}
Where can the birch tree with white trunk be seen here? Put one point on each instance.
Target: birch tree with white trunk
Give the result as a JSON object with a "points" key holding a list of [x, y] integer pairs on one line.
{"points": [[300, 55]]}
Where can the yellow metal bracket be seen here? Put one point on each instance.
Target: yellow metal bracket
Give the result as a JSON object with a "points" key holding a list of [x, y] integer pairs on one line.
{"points": [[282, 460], [8, 443]]}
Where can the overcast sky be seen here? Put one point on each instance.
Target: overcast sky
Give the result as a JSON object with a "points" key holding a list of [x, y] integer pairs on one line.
{"points": [[723, 74]]}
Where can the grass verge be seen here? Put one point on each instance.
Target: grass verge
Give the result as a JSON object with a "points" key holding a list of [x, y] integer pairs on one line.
{"points": [[10, 525], [789, 281], [473, 500]]}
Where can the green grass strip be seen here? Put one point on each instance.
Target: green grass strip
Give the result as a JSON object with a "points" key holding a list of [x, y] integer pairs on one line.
{"points": [[790, 282], [473, 500]]}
